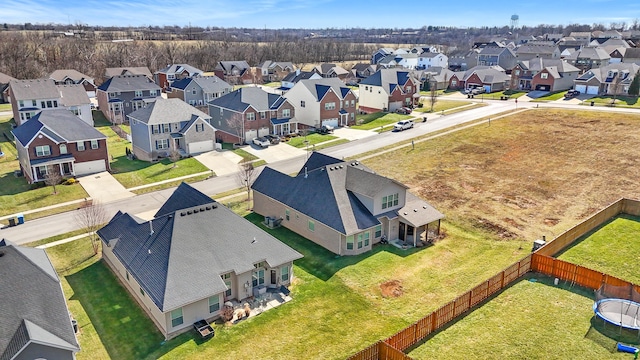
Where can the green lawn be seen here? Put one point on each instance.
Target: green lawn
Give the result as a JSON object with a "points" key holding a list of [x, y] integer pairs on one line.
{"points": [[621, 101], [612, 249], [512, 94], [5, 107], [441, 105], [246, 156], [529, 320], [16, 194], [273, 84], [312, 139], [376, 120], [551, 97]]}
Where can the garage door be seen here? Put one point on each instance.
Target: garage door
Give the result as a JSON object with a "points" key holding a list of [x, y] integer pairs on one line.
{"points": [[330, 122], [593, 90], [543, 87], [581, 88], [89, 167], [250, 135], [393, 106], [263, 131], [200, 146]]}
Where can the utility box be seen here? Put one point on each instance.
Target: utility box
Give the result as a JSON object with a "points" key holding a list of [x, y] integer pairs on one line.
{"points": [[537, 244]]}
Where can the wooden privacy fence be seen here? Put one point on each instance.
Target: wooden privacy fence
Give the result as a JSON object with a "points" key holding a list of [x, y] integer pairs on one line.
{"points": [[422, 328]]}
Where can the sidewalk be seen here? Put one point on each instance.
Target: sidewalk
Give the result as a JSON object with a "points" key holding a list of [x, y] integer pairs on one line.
{"points": [[170, 180], [63, 241], [79, 201]]}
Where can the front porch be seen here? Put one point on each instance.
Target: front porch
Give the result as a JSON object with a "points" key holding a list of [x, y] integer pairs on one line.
{"points": [[284, 126], [63, 165]]}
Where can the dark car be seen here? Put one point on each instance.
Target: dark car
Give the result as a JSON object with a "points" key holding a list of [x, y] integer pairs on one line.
{"points": [[325, 129], [404, 110], [273, 139], [571, 94]]}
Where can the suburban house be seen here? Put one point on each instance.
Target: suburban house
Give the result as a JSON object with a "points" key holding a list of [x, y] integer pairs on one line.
{"points": [[328, 70], [323, 102], [543, 74], [249, 112], [380, 54], [123, 94], [234, 72], [492, 78], [57, 140], [463, 60], [431, 59], [292, 78], [121, 71], [533, 51], [588, 58], [70, 77], [583, 37], [198, 91], [29, 97], [388, 90], [169, 125], [191, 258], [494, 55], [344, 206], [4, 87], [164, 77], [274, 70], [433, 76], [35, 323], [362, 71], [613, 79]]}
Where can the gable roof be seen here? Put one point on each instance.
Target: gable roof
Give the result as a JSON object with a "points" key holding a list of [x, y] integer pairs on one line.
{"points": [[538, 64], [319, 87], [168, 262], [136, 70], [32, 304], [73, 95], [34, 89], [208, 84], [388, 79], [5, 79], [242, 98], [182, 197], [59, 124], [296, 76], [165, 111], [128, 83], [227, 66], [75, 75], [179, 68]]}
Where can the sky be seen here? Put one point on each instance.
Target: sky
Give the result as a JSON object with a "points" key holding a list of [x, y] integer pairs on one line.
{"points": [[315, 14]]}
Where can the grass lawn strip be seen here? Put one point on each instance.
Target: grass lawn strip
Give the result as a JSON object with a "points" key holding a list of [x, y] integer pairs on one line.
{"points": [[551, 97], [612, 249], [529, 320], [312, 139], [621, 101], [376, 120], [246, 156], [5, 107], [441, 105]]}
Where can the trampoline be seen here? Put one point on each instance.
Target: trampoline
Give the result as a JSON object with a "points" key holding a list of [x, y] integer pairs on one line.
{"points": [[618, 312]]}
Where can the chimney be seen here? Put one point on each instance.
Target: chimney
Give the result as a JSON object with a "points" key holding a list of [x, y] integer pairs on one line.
{"points": [[151, 227]]}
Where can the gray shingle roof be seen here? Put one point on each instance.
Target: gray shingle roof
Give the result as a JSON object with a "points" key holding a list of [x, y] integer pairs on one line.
{"points": [[32, 305], [128, 83], [539, 63], [75, 75], [165, 111], [62, 123], [73, 95], [5, 79], [242, 98], [169, 263], [34, 89], [212, 84], [140, 70], [179, 68], [388, 79], [319, 87]]}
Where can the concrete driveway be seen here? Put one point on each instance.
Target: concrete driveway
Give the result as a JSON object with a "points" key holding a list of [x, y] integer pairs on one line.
{"points": [[103, 187], [274, 153], [353, 134], [221, 162]]}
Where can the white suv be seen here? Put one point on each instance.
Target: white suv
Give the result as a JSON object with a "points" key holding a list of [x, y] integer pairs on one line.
{"points": [[403, 125]]}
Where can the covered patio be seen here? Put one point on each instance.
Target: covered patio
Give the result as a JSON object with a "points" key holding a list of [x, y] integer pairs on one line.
{"points": [[419, 222]]}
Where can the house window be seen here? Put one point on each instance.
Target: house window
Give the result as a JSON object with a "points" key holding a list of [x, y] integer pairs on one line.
{"points": [[350, 242], [155, 129], [517, 72], [312, 226], [166, 128], [366, 238], [302, 103], [257, 278], [80, 145], [287, 214], [263, 115], [63, 149], [284, 273], [76, 111], [366, 88], [389, 201], [162, 144], [112, 95], [378, 231], [49, 103], [360, 237], [34, 103], [227, 292], [330, 106], [544, 76], [194, 91], [408, 88], [286, 113], [42, 171], [43, 150], [251, 116], [138, 93], [261, 264], [21, 103], [353, 103], [176, 317], [214, 304], [454, 82], [153, 92], [94, 144], [171, 76]]}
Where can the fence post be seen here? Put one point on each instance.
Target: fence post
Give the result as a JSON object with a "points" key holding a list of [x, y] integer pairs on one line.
{"points": [[502, 280]]}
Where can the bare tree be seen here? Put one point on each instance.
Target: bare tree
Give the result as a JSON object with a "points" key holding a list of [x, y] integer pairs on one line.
{"points": [[236, 122], [53, 177], [174, 156], [433, 95], [246, 175], [616, 87], [91, 217]]}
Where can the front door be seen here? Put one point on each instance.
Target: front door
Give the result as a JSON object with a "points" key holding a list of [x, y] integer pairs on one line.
{"points": [[274, 278], [401, 231], [178, 146]]}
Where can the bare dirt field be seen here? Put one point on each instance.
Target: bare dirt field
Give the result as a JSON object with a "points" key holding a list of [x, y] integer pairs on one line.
{"points": [[536, 173]]}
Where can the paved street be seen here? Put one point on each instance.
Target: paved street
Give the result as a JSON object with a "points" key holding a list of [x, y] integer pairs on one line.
{"points": [[63, 223]]}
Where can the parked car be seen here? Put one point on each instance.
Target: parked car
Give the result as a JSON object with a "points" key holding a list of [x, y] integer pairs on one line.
{"points": [[403, 125], [571, 94], [273, 139], [404, 110], [325, 129], [478, 90], [261, 141]]}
